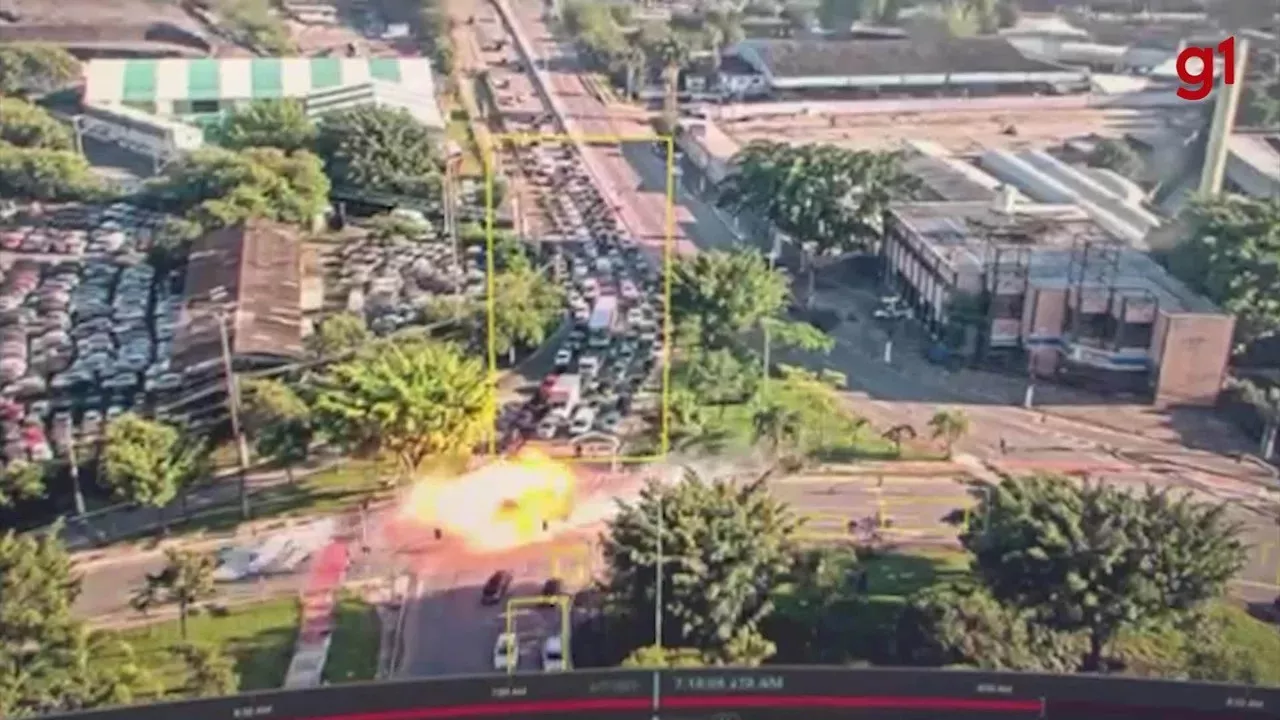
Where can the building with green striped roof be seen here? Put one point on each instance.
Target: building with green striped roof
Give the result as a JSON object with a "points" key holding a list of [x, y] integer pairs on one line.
{"points": [[202, 89]]}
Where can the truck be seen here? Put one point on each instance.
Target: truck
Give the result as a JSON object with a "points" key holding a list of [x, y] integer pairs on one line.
{"points": [[604, 315], [565, 392]]}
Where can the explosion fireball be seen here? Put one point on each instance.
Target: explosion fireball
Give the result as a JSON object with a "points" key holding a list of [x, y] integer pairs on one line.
{"points": [[497, 507]]}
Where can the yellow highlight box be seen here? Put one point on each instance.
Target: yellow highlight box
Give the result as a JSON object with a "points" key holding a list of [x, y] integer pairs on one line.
{"points": [[668, 250]]}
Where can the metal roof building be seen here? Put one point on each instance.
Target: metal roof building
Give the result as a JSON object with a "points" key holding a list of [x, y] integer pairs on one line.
{"points": [[195, 89], [790, 65]]}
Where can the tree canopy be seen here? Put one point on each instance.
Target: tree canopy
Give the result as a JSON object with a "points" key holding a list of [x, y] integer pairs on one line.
{"points": [[1231, 254], [25, 125], [278, 420], [411, 400], [527, 303], [725, 548], [381, 150], [1118, 156], [961, 624], [35, 68], [149, 462], [186, 578], [49, 662], [279, 124], [337, 334], [1094, 559], [21, 480], [36, 157], [215, 187], [827, 200]]}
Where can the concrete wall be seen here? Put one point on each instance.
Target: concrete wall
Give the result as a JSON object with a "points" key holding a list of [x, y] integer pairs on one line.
{"points": [[1192, 351], [1044, 313]]}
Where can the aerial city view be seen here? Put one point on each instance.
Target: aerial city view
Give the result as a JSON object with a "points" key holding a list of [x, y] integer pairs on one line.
{"points": [[697, 359]]}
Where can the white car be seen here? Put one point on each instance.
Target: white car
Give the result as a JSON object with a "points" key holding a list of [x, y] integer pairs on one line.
{"points": [[553, 655], [505, 656], [563, 358], [628, 290], [583, 419]]}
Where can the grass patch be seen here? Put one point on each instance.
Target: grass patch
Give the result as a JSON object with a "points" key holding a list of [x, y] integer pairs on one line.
{"points": [[1252, 656], [328, 491], [353, 654], [259, 636]]}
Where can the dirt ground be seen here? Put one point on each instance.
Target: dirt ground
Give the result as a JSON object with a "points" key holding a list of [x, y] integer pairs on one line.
{"points": [[958, 132]]}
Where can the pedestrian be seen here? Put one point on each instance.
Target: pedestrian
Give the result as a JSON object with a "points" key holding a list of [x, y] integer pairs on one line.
{"points": [[1004, 447]]}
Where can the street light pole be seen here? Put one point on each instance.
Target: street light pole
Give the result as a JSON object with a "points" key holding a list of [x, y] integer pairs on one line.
{"points": [[233, 407]]}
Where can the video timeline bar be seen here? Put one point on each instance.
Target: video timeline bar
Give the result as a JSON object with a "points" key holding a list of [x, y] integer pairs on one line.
{"points": [[728, 694]]}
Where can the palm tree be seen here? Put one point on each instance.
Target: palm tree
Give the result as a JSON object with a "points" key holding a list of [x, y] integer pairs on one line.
{"points": [[779, 425], [186, 578], [949, 426], [671, 53], [897, 434]]}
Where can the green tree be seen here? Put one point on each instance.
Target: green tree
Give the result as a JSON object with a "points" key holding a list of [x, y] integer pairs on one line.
{"points": [[652, 656], [1117, 156], [256, 23], [34, 68], [716, 297], [281, 124], [1092, 558], [718, 377], [25, 125], [528, 305], [46, 175], [1231, 254], [949, 426], [817, 615], [20, 481], [778, 425], [411, 400], [825, 199], [671, 52], [725, 546], [338, 334], [186, 579], [49, 662], [961, 624], [149, 462], [215, 187], [210, 672], [380, 150], [279, 421]]}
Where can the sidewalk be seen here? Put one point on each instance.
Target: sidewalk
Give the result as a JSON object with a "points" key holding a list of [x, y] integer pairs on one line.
{"points": [[108, 526]]}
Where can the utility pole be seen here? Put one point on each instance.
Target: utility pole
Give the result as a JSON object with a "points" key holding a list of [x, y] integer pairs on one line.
{"points": [[451, 225], [658, 567], [233, 407], [74, 463]]}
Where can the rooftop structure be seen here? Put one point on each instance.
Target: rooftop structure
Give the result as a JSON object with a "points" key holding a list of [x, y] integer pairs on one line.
{"points": [[206, 87], [895, 63], [1053, 284], [252, 272], [1253, 164]]}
